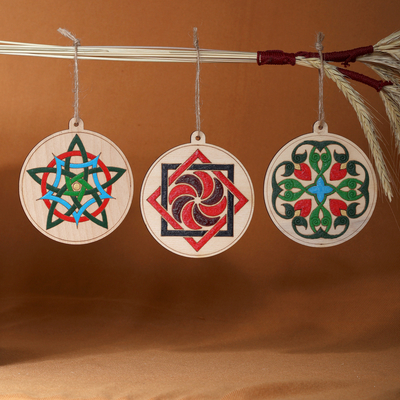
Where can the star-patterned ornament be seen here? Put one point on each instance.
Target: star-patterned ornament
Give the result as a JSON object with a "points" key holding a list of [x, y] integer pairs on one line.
{"points": [[320, 189], [197, 199], [76, 186]]}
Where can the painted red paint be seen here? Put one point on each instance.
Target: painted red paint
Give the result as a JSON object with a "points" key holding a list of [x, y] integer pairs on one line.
{"points": [[304, 206], [304, 173], [213, 211], [180, 190], [337, 173], [337, 205], [208, 183], [187, 217]]}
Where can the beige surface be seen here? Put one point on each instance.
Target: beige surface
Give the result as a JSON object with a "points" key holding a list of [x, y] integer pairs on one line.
{"points": [[124, 318], [327, 343]]}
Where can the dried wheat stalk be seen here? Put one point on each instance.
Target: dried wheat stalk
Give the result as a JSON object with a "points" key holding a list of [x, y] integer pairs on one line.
{"points": [[364, 117], [389, 45], [385, 62], [390, 96]]}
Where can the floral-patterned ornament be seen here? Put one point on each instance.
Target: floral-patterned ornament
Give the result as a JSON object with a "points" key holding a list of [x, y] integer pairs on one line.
{"points": [[197, 199], [320, 189], [76, 186]]}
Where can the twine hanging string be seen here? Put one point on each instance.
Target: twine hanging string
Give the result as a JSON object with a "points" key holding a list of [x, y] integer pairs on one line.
{"points": [[197, 83], [321, 112], [76, 43]]}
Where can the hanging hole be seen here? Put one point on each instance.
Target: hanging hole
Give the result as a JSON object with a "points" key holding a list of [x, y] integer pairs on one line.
{"points": [[320, 128], [197, 137], [74, 124]]}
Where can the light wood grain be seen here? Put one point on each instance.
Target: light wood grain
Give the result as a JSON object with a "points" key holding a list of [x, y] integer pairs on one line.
{"points": [[55, 145]]}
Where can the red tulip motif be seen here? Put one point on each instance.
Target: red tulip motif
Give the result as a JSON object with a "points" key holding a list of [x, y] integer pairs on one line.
{"points": [[304, 173], [336, 206], [337, 172], [304, 206]]}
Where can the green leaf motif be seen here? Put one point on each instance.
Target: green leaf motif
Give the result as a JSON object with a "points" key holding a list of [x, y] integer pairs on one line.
{"points": [[314, 160], [290, 184]]}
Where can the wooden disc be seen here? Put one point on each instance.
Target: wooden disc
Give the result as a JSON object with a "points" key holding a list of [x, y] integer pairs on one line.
{"points": [[320, 189], [197, 200], [76, 186]]}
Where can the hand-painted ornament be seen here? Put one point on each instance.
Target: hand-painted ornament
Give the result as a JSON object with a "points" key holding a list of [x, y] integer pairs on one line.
{"points": [[76, 186], [320, 189], [197, 199]]}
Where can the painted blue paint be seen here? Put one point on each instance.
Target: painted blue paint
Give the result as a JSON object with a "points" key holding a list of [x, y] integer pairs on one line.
{"points": [[103, 193], [77, 215], [320, 189], [49, 196], [59, 164], [91, 163]]}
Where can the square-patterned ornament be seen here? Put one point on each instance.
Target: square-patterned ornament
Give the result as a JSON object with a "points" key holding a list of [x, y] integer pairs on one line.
{"points": [[197, 199]]}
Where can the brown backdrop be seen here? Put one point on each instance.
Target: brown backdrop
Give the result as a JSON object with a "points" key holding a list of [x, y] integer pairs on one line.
{"points": [[124, 318]]}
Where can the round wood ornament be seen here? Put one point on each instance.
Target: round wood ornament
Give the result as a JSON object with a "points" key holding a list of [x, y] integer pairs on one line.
{"points": [[197, 199], [320, 189], [76, 186]]}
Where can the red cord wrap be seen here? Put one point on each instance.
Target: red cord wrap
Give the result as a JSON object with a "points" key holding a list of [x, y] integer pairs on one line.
{"points": [[355, 76], [275, 57], [344, 57], [278, 57]]}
